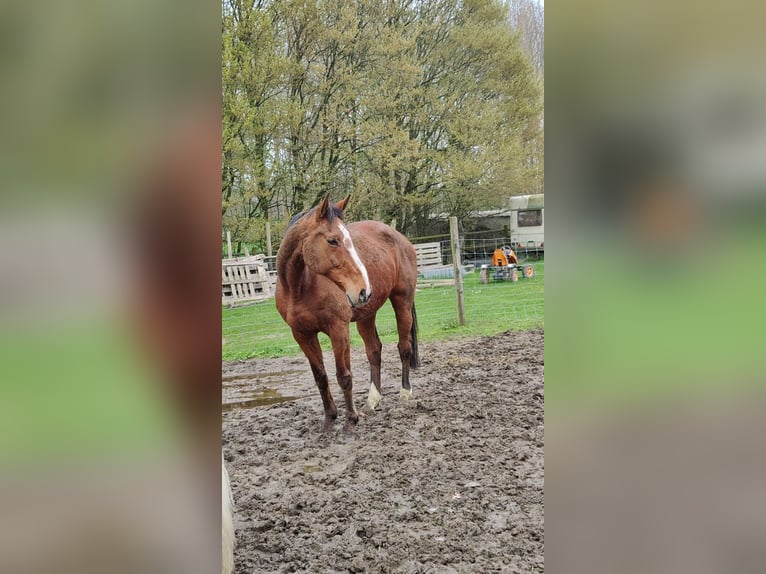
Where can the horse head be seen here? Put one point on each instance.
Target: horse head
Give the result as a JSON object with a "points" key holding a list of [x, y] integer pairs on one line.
{"points": [[328, 250]]}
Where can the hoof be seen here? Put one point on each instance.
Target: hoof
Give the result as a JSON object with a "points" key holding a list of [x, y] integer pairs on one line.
{"points": [[328, 425], [349, 427], [373, 399], [405, 394], [366, 410]]}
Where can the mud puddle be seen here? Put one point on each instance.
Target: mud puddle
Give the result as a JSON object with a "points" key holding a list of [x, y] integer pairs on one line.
{"points": [[261, 398]]}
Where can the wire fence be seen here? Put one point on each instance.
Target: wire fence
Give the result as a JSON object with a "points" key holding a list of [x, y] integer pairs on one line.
{"points": [[479, 252], [493, 304], [477, 243]]}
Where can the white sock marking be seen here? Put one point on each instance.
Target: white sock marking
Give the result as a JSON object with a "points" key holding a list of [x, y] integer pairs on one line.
{"points": [[348, 244], [373, 399], [405, 394]]}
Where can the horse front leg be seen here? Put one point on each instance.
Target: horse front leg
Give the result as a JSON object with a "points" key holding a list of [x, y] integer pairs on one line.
{"points": [[309, 344], [341, 348]]}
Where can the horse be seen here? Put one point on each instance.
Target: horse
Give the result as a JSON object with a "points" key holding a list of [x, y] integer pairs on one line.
{"points": [[330, 274]]}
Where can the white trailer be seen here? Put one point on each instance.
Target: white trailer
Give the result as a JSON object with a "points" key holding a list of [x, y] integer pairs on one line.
{"points": [[528, 222]]}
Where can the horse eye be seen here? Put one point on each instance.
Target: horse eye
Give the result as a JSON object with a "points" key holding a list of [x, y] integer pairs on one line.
{"points": [[333, 242]]}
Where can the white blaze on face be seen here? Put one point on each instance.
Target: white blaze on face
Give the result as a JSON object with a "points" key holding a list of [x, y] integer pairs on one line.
{"points": [[348, 244]]}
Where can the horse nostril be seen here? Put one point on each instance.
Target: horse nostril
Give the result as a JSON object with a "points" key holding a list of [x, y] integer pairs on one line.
{"points": [[363, 295]]}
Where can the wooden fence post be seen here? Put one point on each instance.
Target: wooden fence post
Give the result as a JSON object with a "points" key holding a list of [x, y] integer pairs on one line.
{"points": [[228, 242], [455, 244], [268, 239]]}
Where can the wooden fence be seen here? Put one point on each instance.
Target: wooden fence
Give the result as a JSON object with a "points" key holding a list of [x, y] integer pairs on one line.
{"points": [[245, 279]]}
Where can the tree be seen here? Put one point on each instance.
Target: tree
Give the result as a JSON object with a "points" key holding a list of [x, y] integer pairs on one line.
{"points": [[527, 17], [453, 108], [416, 107], [253, 76]]}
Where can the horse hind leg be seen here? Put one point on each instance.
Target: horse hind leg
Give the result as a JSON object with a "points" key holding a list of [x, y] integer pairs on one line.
{"points": [[309, 344], [373, 347], [404, 310]]}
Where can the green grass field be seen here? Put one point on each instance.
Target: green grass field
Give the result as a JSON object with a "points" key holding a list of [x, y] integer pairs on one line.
{"points": [[258, 330]]}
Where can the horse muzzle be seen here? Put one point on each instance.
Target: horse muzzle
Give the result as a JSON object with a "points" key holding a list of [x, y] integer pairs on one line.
{"points": [[362, 299]]}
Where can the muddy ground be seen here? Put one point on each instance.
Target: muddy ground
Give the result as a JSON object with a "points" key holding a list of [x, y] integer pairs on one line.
{"points": [[449, 481]]}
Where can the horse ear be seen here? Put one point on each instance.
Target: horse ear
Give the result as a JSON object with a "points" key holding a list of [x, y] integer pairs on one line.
{"points": [[343, 203], [322, 208]]}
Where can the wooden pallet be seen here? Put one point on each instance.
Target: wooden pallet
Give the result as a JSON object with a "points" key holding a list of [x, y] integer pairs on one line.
{"points": [[430, 262], [245, 279], [429, 255], [430, 266]]}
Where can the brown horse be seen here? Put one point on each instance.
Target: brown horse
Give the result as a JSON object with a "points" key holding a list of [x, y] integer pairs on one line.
{"points": [[329, 275]]}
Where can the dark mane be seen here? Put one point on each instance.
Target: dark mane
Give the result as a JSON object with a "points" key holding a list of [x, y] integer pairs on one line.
{"points": [[295, 218], [332, 213]]}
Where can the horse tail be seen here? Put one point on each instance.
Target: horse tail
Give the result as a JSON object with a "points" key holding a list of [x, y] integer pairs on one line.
{"points": [[414, 357]]}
